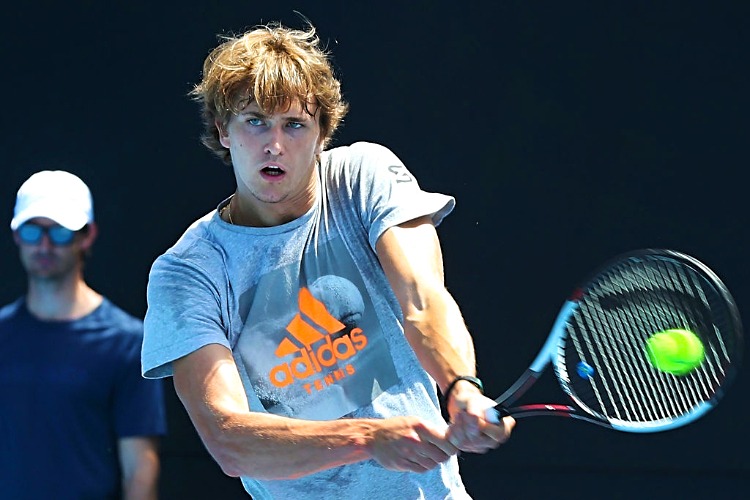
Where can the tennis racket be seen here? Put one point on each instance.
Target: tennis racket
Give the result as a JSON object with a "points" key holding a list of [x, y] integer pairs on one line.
{"points": [[597, 346]]}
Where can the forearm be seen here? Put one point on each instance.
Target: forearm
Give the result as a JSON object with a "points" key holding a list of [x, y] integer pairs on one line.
{"points": [[267, 446], [412, 261], [246, 442], [446, 350], [440, 339], [140, 487], [139, 462]]}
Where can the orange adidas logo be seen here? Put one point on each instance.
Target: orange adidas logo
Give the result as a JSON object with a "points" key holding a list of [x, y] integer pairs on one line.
{"points": [[314, 350]]}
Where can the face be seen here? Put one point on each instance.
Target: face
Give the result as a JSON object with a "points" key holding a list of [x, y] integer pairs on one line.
{"points": [[46, 260], [274, 158]]}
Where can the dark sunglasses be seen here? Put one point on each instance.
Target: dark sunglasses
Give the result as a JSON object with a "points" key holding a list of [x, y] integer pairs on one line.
{"points": [[31, 234]]}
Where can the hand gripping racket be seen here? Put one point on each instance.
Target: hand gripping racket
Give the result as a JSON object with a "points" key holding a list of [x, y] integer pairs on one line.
{"points": [[597, 346]]}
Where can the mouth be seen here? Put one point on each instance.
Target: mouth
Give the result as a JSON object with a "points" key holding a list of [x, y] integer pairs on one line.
{"points": [[43, 255], [272, 171], [44, 260]]}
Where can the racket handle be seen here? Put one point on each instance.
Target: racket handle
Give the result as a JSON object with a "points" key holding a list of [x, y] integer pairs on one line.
{"points": [[495, 414]]}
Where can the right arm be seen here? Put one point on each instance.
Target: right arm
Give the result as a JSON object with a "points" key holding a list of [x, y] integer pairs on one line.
{"points": [[266, 446]]}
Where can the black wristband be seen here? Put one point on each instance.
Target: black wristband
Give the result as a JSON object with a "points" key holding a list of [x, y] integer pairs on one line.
{"points": [[472, 380]]}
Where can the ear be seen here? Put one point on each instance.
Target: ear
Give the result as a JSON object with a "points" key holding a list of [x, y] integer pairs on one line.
{"points": [[223, 136], [88, 239]]}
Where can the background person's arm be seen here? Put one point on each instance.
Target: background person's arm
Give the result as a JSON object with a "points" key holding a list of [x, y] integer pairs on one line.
{"points": [[139, 465]]}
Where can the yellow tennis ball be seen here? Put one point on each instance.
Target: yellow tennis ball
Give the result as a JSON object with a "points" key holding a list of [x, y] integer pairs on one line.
{"points": [[675, 351]]}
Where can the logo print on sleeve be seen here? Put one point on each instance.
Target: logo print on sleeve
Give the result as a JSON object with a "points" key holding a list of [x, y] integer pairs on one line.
{"points": [[402, 175], [317, 342]]}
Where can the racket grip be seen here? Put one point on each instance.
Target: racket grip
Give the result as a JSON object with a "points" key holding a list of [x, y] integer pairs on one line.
{"points": [[495, 414]]}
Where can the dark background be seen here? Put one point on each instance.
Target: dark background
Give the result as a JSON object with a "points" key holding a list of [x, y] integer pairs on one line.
{"points": [[568, 131]]}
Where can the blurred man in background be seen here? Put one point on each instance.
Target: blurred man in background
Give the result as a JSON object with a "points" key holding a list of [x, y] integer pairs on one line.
{"points": [[77, 420]]}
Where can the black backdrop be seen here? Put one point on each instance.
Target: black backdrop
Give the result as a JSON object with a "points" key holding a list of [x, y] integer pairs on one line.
{"points": [[568, 132]]}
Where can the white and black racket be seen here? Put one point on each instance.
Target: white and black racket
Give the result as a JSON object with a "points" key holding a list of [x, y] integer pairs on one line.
{"points": [[597, 346]]}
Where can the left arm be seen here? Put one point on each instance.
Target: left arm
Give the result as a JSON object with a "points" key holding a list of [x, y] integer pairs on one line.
{"points": [[139, 466], [413, 263]]}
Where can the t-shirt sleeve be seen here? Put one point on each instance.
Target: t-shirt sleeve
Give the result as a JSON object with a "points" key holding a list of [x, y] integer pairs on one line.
{"points": [[138, 407], [388, 194], [184, 311]]}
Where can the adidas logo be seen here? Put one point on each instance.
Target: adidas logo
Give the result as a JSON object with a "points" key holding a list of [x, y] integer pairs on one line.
{"points": [[314, 351]]}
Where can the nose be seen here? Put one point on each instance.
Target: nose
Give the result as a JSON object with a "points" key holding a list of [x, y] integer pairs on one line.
{"points": [[45, 242], [274, 145]]}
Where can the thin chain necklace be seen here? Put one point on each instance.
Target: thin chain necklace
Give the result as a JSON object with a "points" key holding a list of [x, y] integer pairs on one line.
{"points": [[228, 210]]}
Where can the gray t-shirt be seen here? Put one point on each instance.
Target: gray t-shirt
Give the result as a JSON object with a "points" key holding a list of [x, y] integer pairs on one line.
{"points": [[313, 325]]}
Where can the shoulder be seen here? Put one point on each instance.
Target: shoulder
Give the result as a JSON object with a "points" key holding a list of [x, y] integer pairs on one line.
{"points": [[197, 247], [363, 162], [126, 323], [114, 331], [194, 266], [9, 311], [361, 152]]}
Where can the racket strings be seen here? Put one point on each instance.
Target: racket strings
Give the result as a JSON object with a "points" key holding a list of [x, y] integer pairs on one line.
{"points": [[599, 357], [618, 312], [679, 310], [670, 306], [617, 342], [711, 372], [675, 305], [615, 347]]}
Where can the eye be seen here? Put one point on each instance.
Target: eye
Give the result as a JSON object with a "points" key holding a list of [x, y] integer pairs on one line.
{"points": [[295, 125], [255, 122]]}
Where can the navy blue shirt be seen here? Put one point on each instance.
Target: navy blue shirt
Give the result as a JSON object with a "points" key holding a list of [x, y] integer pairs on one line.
{"points": [[68, 391]]}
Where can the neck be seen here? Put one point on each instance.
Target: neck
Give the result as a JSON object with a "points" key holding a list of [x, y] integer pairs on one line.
{"points": [[61, 301], [247, 210]]}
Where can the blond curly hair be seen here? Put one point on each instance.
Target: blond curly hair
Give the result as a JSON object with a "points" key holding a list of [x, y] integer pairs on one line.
{"points": [[273, 66]]}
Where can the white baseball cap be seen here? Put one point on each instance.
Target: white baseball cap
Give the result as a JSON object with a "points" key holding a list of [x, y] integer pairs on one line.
{"points": [[57, 195]]}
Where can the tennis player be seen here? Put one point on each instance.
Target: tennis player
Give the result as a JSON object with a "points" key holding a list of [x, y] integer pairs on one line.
{"points": [[305, 320]]}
